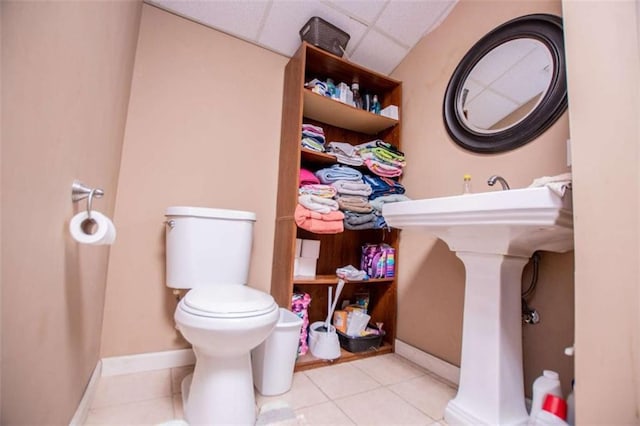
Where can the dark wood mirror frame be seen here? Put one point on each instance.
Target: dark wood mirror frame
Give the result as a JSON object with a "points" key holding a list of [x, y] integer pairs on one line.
{"points": [[544, 28]]}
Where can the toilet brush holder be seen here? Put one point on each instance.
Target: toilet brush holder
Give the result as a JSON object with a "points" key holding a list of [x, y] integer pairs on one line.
{"points": [[322, 343]]}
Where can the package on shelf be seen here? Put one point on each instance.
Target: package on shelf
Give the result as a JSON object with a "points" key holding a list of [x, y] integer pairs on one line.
{"points": [[378, 260], [304, 264], [300, 306], [391, 111]]}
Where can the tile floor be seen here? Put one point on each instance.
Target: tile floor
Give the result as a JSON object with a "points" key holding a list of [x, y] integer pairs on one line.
{"points": [[382, 390]]}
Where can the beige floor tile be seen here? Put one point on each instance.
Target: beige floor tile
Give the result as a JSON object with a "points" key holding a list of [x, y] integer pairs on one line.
{"points": [[381, 407], [149, 412], [126, 388], [303, 393], [327, 414], [177, 374], [389, 369], [341, 380], [426, 393]]}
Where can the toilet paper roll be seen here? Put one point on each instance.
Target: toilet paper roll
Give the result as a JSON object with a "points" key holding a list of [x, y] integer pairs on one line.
{"points": [[97, 230]]}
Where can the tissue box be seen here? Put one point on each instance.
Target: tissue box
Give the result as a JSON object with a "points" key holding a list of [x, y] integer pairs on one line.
{"points": [[304, 267], [310, 248]]}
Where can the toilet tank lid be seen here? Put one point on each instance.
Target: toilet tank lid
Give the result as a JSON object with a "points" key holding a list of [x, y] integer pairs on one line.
{"points": [[208, 212]]}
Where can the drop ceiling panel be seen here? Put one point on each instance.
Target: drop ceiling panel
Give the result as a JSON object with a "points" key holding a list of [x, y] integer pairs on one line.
{"points": [[408, 21], [366, 11], [283, 23], [382, 31], [527, 78], [379, 53], [241, 18], [488, 108], [500, 59]]}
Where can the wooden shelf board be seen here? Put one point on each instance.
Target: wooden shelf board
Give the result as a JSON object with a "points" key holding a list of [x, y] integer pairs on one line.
{"points": [[332, 279], [337, 114], [308, 361]]}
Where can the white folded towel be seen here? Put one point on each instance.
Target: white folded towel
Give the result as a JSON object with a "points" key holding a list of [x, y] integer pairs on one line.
{"points": [[558, 184], [318, 204]]}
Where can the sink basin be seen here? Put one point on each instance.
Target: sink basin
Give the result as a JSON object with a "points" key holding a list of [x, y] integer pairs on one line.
{"points": [[515, 222], [494, 234]]}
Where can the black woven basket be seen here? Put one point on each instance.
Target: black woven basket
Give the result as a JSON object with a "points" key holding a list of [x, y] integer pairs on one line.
{"points": [[360, 343], [324, 35]]}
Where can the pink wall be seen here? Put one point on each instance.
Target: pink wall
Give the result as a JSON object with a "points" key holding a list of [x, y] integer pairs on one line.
{"points": [[431, 278], [203, 129], [66, 73]]}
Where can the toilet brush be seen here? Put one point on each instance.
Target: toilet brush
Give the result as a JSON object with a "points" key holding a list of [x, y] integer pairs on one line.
{"points": [[332, 306]]}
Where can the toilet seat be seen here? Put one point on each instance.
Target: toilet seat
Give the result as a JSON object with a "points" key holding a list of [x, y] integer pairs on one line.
{"points": [[227, 301]]}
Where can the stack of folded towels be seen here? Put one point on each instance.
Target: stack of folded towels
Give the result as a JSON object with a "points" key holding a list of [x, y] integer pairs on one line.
{"points": [[345, 153], [382, 158], [313, 137], [317, 211], [340, 197]]}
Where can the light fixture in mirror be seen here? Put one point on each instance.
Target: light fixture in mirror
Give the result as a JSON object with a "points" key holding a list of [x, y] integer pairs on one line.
{"points": [[510, 87]]}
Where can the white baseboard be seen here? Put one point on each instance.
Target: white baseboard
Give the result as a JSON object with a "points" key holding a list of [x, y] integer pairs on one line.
{"points": [[128, 364], [82, 411], [429, 362]]}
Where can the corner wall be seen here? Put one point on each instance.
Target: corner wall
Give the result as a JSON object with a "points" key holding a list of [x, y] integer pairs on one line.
{"points": [[66, 73], [203, 130], [604, 88], [431, 278]]}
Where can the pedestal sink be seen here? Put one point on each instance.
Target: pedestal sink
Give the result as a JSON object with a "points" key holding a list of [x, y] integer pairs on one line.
{"points": [[495, 234]]}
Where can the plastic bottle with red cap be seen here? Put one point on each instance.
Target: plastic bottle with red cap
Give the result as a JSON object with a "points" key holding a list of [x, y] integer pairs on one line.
{"points": [[554, 412], [547, 383]]}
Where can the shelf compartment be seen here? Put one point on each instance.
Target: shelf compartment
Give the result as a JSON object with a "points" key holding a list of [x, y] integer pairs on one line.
{"points": [[332, 279], [327, 110], [308, 361]]}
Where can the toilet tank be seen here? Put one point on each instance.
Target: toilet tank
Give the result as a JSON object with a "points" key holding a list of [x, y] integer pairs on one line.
{"points": [[206, 246]]}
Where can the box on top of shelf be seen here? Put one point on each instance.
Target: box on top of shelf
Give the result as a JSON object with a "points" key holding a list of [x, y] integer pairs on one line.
{"points": [[324, 35]]}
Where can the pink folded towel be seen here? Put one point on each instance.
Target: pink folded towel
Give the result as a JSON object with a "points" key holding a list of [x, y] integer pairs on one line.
{"points": [[319, 223], [307, 178]]}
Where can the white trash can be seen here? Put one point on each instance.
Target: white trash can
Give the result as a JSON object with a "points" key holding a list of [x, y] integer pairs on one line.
{"points": [[274, 359]]}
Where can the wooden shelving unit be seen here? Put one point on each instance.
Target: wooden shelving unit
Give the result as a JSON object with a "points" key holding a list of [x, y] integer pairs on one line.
{"points": [[344, 123]]}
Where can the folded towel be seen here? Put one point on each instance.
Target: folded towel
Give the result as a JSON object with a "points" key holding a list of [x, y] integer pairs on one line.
{"points": [[366, 225], [558, 184], [338, 172], [307, 178], [319, 223], [352, 188], [354, 203], [312, 144], [381, 201], [345, 153], [350, 272], [320, 190], [353, 218], [318, 204], [382, 186], [382, 169]]}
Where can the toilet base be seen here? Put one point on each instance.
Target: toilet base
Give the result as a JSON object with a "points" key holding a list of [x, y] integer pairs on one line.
{"points": [[220, 392]]}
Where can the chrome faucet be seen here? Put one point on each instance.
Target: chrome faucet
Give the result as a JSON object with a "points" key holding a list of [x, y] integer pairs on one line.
{"points": [[495, 178]]}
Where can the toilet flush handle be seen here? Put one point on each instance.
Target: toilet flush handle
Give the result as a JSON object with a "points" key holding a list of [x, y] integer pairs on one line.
{"points": [[171, 223]]}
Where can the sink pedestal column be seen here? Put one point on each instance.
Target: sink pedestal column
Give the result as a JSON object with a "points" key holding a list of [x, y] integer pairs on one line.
{"points": [[491, 387]]}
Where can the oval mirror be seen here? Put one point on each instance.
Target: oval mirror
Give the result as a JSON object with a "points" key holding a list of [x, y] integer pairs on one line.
{"points": [[510, 87]]}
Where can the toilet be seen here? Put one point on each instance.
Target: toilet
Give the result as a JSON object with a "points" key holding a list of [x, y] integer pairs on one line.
{"points": [[208, 251]]}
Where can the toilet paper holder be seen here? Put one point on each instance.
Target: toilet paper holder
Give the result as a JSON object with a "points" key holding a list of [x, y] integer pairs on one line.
{"points": [[80, 191]]}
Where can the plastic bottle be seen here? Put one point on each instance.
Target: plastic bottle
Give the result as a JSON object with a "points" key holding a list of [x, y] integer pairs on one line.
{"points": [[571, 406], [331, 88], [375, 105], [357, 98], [466, 185], [547, 383], [553, 412]]}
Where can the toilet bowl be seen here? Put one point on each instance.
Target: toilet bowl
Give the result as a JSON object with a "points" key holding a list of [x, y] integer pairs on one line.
{"points": [[223, 324], [208, 252]]}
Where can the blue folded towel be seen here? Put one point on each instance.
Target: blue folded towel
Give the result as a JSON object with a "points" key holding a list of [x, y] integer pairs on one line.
{"points": [[338, 172], [382, 186]]}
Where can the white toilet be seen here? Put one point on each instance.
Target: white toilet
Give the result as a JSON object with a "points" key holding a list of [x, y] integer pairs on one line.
{"points": [[209, 251]]}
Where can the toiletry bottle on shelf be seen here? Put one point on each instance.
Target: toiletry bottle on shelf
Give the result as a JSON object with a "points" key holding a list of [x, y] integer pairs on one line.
{"points": [[466, 185], [375, 105], [357, 98]]}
